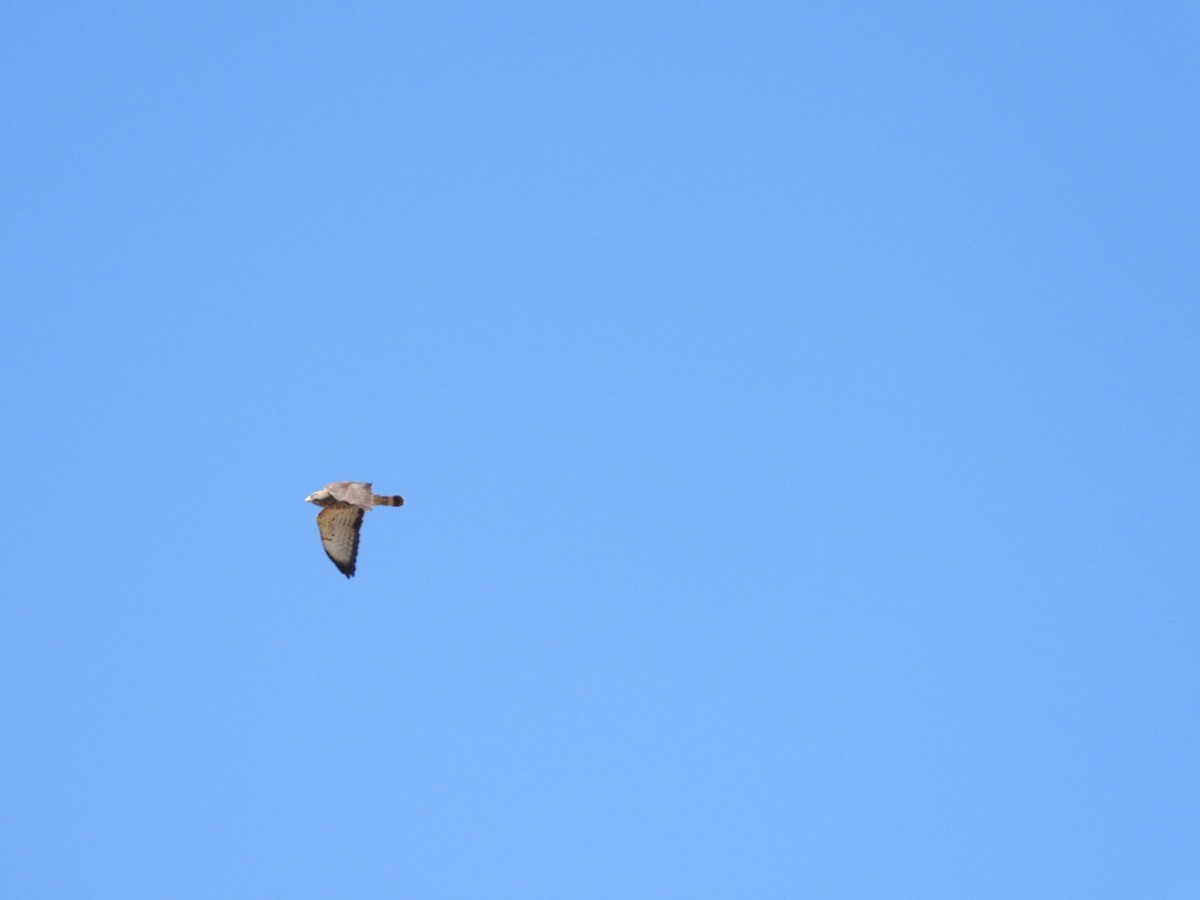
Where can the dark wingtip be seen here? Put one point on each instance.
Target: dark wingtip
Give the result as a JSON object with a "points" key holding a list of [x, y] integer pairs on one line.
{"points": [[348, 571]]}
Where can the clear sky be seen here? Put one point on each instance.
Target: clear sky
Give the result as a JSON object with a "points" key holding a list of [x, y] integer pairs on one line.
{"points": [[796, 405]]}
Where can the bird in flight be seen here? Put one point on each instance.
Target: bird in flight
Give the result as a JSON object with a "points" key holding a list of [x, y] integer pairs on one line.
{"points": [[344, 505]]}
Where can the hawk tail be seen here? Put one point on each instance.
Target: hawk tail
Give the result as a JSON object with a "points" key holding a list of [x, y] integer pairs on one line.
{"points": [[388, 501]]}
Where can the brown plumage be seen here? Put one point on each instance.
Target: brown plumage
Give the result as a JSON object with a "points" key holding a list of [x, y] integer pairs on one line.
{"points": [[344, 503]]}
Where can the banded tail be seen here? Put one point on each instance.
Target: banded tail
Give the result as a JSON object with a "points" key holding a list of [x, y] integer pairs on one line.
{"points": [[387, 501]]}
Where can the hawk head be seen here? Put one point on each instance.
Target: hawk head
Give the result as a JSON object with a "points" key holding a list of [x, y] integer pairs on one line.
{"points": [[320, 498]]}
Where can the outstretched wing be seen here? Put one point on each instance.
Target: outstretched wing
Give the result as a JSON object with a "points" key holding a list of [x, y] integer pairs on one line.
{"points": [[356, 492], [339, 527]]}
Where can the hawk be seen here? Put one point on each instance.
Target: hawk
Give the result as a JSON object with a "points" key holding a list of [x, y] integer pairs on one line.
{"points": [[345, 503]]}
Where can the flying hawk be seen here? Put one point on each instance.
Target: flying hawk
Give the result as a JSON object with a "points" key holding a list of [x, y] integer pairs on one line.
{"points": [[345, 503]]}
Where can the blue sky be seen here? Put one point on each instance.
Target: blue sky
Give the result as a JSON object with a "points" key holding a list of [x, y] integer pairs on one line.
{"points": [[796, 407]]}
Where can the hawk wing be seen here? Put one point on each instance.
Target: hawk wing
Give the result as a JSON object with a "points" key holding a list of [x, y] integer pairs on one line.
{"points": [[339, 527], [357, 492]]}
